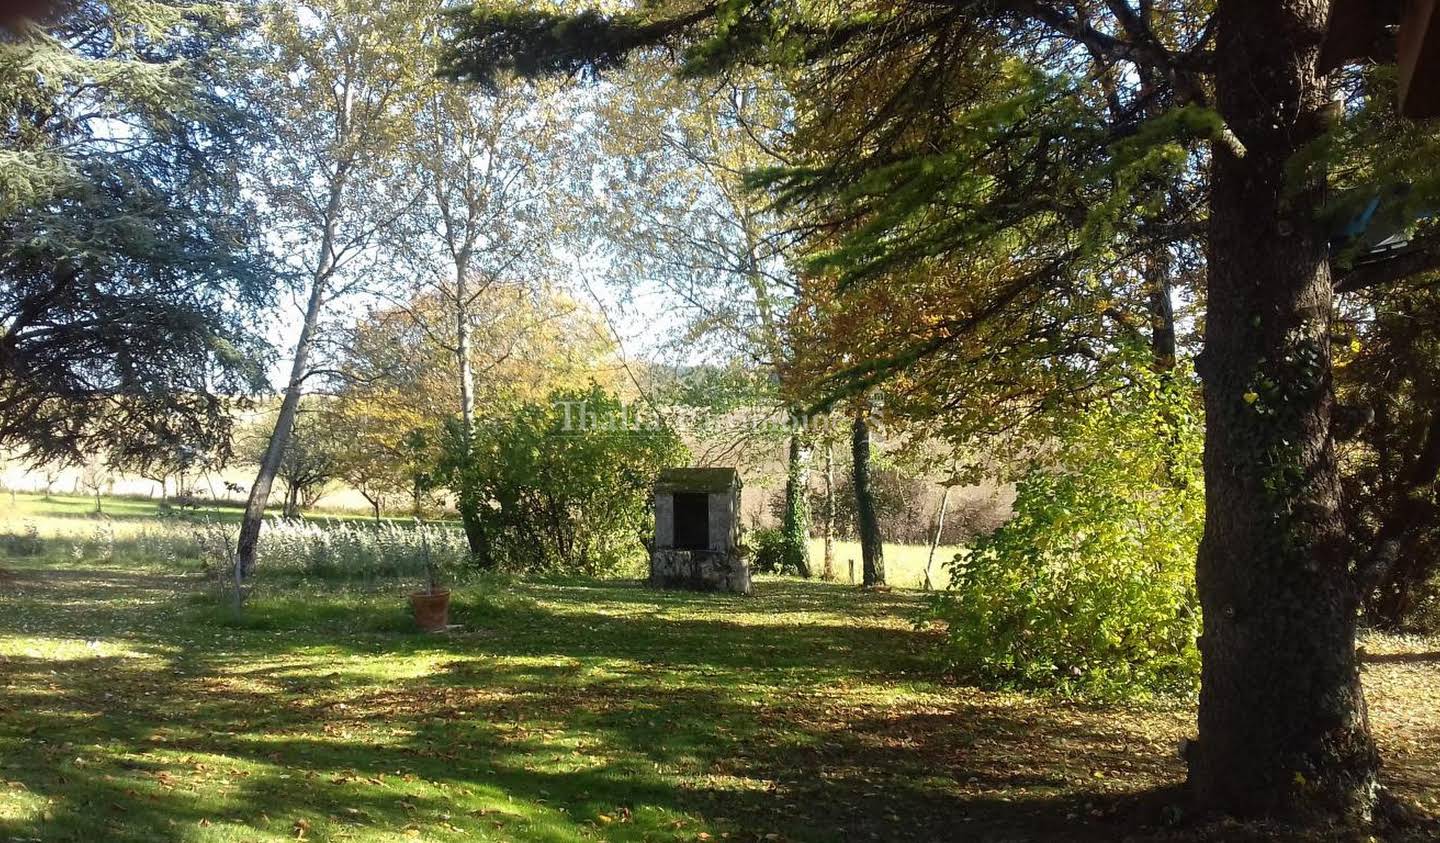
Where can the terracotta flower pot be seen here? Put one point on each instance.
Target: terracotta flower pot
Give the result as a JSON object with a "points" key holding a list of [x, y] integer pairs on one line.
{"points": [[432, 609]]}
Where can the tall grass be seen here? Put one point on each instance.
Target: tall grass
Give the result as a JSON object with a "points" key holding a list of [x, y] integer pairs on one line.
{"points": [[328, 549], [359, 551]]}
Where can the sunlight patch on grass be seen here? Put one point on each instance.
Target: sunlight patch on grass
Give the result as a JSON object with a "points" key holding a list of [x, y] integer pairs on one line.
{"points": [[19, 806], [68, 649]]}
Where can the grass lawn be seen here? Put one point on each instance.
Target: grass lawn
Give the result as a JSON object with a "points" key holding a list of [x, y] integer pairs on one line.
{"points": [[132, 708], [59, 515], [71, 516]]}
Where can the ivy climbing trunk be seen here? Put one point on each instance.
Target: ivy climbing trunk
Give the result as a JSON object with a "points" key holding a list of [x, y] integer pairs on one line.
{"points": [[1282, 725], [828, 527], [872, 550], [796, 527]]}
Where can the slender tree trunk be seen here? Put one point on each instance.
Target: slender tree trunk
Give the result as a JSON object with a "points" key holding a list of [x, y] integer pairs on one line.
{"points": [[796, 527], [290, 405], [872, 551], [1162, 311], [1157, 269], [829, 519], [1283, 727], [939, 530], [469, 502]]}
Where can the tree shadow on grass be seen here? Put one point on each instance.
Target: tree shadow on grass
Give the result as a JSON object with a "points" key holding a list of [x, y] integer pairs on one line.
{"points": [[183, 751], [1401, 658], [560, 713]]}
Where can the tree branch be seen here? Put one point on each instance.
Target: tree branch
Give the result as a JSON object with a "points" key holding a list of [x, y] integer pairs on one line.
{"points": [[1423, 256]]}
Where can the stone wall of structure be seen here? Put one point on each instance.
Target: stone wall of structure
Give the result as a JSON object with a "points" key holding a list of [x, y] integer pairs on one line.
{"points": [[664, 520], [722, 521], [699, 570], [720, 567]]}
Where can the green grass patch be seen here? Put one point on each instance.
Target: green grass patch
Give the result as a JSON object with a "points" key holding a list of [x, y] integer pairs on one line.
{"points": [[134, 708]]}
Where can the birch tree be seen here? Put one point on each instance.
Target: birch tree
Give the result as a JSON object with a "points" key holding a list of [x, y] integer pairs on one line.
{"points": [[339, 81], [492, 169]]}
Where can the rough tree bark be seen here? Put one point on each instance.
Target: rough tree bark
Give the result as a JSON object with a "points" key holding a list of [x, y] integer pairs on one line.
{"points": [[1282, 726], [872, 550]]}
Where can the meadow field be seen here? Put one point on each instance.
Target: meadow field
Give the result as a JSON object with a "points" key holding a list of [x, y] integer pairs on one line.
{"points": [[138, 521]]}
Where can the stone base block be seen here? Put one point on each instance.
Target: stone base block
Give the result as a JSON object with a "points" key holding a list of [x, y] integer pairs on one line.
{"points": [[699, 570]]}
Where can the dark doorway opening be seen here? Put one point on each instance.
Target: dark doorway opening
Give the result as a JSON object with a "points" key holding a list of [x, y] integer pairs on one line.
{"points": [[692, 521]]}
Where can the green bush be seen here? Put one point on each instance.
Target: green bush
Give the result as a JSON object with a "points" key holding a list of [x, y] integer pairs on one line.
{"points": [[1089, 589], [565, 484], [770, 552]]}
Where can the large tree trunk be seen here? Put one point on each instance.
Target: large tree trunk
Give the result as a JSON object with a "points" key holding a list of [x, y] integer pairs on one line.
{"points": [[872, 551], [796, 526], [1283, 727]]}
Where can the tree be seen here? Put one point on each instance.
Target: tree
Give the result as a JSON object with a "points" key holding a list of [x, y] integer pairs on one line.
{"points": [[314, 455], [566, 480], [867, 521], [490, 169], [340, 79], [827, 526], [180, 462], [1390, 456], [399, 373], [96, 477], [1090, 587], [133, 270], [676, 219], [376, 458], [1020, 121]]}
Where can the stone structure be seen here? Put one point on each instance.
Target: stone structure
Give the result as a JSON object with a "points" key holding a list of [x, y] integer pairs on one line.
{"points": [[697, 531]]}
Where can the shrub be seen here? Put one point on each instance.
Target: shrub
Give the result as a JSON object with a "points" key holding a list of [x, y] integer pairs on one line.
{"points": [[26, 543], [1089, 589], [566, 483], [358, 551], [770, 552]]}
